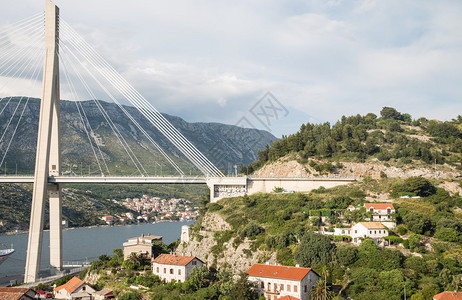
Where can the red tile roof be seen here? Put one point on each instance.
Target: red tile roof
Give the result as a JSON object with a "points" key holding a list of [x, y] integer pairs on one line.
{"points": [[288, 298], [381, 206], [448, 296], [169, 259], [14, 293], [282, 272], [372, 225], [71, 285]]}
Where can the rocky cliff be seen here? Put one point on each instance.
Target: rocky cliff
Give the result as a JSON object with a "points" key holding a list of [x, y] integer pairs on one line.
{"points": [[208, 242]]}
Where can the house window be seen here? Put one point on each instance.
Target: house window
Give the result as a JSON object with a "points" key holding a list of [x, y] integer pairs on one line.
{"points": [[375, 231], [295, 288], [262, 285], [388, 210], [305, 288], [179, 271], [269, 286], [275, 287], [194, 263], [288, 287], [157, 270], [356, 231], [165, 270], [282, 287], [371, 209]]}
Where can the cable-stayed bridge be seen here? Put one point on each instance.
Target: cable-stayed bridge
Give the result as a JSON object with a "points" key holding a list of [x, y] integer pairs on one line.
{"points": [[72, 67]]}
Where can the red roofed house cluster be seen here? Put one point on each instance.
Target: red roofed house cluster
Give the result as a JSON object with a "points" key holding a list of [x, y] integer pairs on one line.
{"points": [[170, 267], [275, 282], [17, 293]]}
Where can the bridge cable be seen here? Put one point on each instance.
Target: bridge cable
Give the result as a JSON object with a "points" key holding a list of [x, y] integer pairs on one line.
{"points": [[12, 70], [154, 116], [151, 121], [132, 119], [84, 124], [12, 116], [29, 39], [135, 122], [105, 115], [112, 125], [106, 78], [35, 76], [21, 23]]}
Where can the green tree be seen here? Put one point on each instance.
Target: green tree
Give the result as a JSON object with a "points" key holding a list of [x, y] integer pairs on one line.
{"points": [[314, 249], [392, 282], [347, 255], [197, 278], [420, 186], [244, 289], [131, 296], [390, 113]]}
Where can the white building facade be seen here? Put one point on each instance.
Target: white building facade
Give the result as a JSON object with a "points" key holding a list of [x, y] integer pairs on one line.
{"points": [[274, 282], [372, 230], [174, 268]]}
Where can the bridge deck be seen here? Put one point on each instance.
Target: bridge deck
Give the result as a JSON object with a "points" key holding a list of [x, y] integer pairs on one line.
{"points": [[106, 180]]}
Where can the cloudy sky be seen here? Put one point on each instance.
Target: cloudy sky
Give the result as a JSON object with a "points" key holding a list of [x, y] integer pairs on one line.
{"points": [[214, 60]]}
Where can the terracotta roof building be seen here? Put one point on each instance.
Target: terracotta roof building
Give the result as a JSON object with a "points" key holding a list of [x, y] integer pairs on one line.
{"points": [[275, 282], [380, 211], [176, 268], [288, 298], [448, 296], [17, 293], [74, 289]]}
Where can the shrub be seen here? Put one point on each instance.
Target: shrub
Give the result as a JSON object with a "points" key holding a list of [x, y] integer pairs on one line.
{"points": [[214, 207]]}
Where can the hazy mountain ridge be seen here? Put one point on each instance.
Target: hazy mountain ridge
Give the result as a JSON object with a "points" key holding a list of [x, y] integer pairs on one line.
{"points": [[224, 145]]}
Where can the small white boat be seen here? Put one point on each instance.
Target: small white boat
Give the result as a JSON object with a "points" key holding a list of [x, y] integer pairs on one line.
{"points": [[4, 253]]}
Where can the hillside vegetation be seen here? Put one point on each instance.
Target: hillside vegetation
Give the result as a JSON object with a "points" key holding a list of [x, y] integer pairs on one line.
{"points": [[80, 208], [393, 138], [426, 251]]}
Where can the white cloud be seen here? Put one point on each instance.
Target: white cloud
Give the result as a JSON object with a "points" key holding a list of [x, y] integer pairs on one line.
{"points": [[211, 60]]}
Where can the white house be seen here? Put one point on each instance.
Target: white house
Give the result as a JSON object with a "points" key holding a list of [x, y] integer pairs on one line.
{"points": [[174, 267], [275, 282], [373, 230], [380, 211], [74, 289], [104, 294], [142, 245], [108, 219]]}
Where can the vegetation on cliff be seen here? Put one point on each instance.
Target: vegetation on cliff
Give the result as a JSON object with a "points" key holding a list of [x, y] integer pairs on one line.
{"points": [[426, 257], [393, 137]]}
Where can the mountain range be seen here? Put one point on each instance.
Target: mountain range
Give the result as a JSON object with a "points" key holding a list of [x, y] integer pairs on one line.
{"points": [[224, 145]]}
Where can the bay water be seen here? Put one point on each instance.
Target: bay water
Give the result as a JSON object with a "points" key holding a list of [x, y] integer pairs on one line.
{"points": [[85, 244]]}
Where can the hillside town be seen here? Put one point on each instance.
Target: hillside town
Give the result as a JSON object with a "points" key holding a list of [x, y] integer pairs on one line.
{"points": [[154, 209]]}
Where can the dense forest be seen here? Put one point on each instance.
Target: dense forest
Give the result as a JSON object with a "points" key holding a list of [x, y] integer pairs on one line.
{"points": [[393, 135]]}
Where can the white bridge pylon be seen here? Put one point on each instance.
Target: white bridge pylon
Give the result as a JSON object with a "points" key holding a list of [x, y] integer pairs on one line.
{"points": [[48, 158]]}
